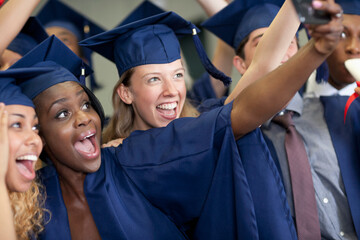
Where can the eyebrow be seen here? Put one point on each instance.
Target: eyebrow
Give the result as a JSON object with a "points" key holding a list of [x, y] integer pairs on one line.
{"points": [[65, 33], [256, 37], [159, 73], [64, 99], [18, 115], [22, 116]]}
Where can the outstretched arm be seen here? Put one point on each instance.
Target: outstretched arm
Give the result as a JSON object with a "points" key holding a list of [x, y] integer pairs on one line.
{"points": [[271, 48], [7, 230], [268, 95], [13, 16], [223, 54]]}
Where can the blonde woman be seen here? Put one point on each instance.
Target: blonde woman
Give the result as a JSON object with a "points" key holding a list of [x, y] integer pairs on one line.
{"points": [[24, 149]]}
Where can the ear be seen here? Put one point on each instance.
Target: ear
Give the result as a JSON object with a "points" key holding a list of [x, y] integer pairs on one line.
{"points": [[239, 64], [125, 94]]}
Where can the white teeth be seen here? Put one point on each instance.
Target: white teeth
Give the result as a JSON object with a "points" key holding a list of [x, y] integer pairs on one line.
{"points": [[167, 106], [89, 136], [28, 157]]}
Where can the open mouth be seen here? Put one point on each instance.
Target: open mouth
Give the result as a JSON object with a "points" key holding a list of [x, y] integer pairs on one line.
{"points": [[168, 110], [25, 165], [88, 146]]}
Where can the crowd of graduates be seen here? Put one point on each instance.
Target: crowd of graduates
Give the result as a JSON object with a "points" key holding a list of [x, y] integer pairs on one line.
{"points": [[172, 162]]}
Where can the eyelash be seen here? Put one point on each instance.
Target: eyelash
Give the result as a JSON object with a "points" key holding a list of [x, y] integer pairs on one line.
{"points": [[17, 123], [66, 112], [153, 79], [179, 75], [36, 127]]}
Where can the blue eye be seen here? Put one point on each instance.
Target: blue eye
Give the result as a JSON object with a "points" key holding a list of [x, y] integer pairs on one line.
{"points": [[179, 75], [154, 79]]}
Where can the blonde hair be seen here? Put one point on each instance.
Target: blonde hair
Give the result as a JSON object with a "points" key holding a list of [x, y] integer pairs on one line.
{"points": [[122, 120], [28, 211]]}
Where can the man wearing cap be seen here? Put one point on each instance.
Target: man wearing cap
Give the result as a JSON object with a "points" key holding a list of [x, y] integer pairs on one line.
{"points": [[330, 143], [70, 27], [335, 184]]}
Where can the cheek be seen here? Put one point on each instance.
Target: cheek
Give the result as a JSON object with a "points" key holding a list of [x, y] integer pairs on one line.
{"points": [[14, 146], [182, 91]]}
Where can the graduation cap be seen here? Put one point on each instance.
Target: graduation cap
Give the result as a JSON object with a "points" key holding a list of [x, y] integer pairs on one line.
{"points": [[236, 21], [52, 62], [10, 93], [151, 40], [30, 35], [143, 10], [56, 13], [350, 6]]}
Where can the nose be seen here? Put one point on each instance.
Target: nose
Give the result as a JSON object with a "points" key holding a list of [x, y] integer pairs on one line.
{"points": [[169, 88], [33, 139], [81, 119], [353, 46]]}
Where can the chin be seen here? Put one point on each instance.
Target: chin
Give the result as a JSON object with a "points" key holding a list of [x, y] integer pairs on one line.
{"points": [[19, 187], [93, 167]]}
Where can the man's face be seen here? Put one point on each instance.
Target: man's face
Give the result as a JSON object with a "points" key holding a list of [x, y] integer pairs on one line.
{"points": [[348, 48]]}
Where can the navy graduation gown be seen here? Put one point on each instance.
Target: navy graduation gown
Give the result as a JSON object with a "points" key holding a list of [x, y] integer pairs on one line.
{"points": [[185, 181], [272, 211], [345, 139], [202, 90], [273, 216]]}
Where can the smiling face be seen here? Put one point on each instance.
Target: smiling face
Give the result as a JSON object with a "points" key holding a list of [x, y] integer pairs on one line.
{"points": [[25, 147], [157, 94], [71, 128], [8, 58], [348, 48]]}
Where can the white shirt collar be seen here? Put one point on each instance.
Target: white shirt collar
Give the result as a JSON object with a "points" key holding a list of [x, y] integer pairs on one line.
{"points": [[314, 89]]}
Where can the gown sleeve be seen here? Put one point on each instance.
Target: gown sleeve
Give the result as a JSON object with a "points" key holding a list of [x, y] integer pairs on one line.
{"points": [[203, 90], [191, 171]]}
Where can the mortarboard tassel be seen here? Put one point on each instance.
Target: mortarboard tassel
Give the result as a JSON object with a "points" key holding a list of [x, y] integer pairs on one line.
{"points": [[210, 68], [82, 76]]}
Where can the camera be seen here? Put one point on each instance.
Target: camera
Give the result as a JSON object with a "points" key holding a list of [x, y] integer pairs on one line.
{"points": [[309, 15]]}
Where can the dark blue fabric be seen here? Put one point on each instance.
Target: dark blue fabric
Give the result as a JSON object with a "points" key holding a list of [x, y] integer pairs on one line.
{"points": [[55, 10], [185, 181], [350, 6], [202, 90], [57, 13], [30, 35], [143, 10], [272, 211], [273, 214], [236, 21], [210, 104], [151, 40], [10, 93], [51, 53], [345, 138]]}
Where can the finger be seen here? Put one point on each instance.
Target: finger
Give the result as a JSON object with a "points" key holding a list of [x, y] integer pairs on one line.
{"points": [[331, 8], [328, 29], [3, 123]]}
